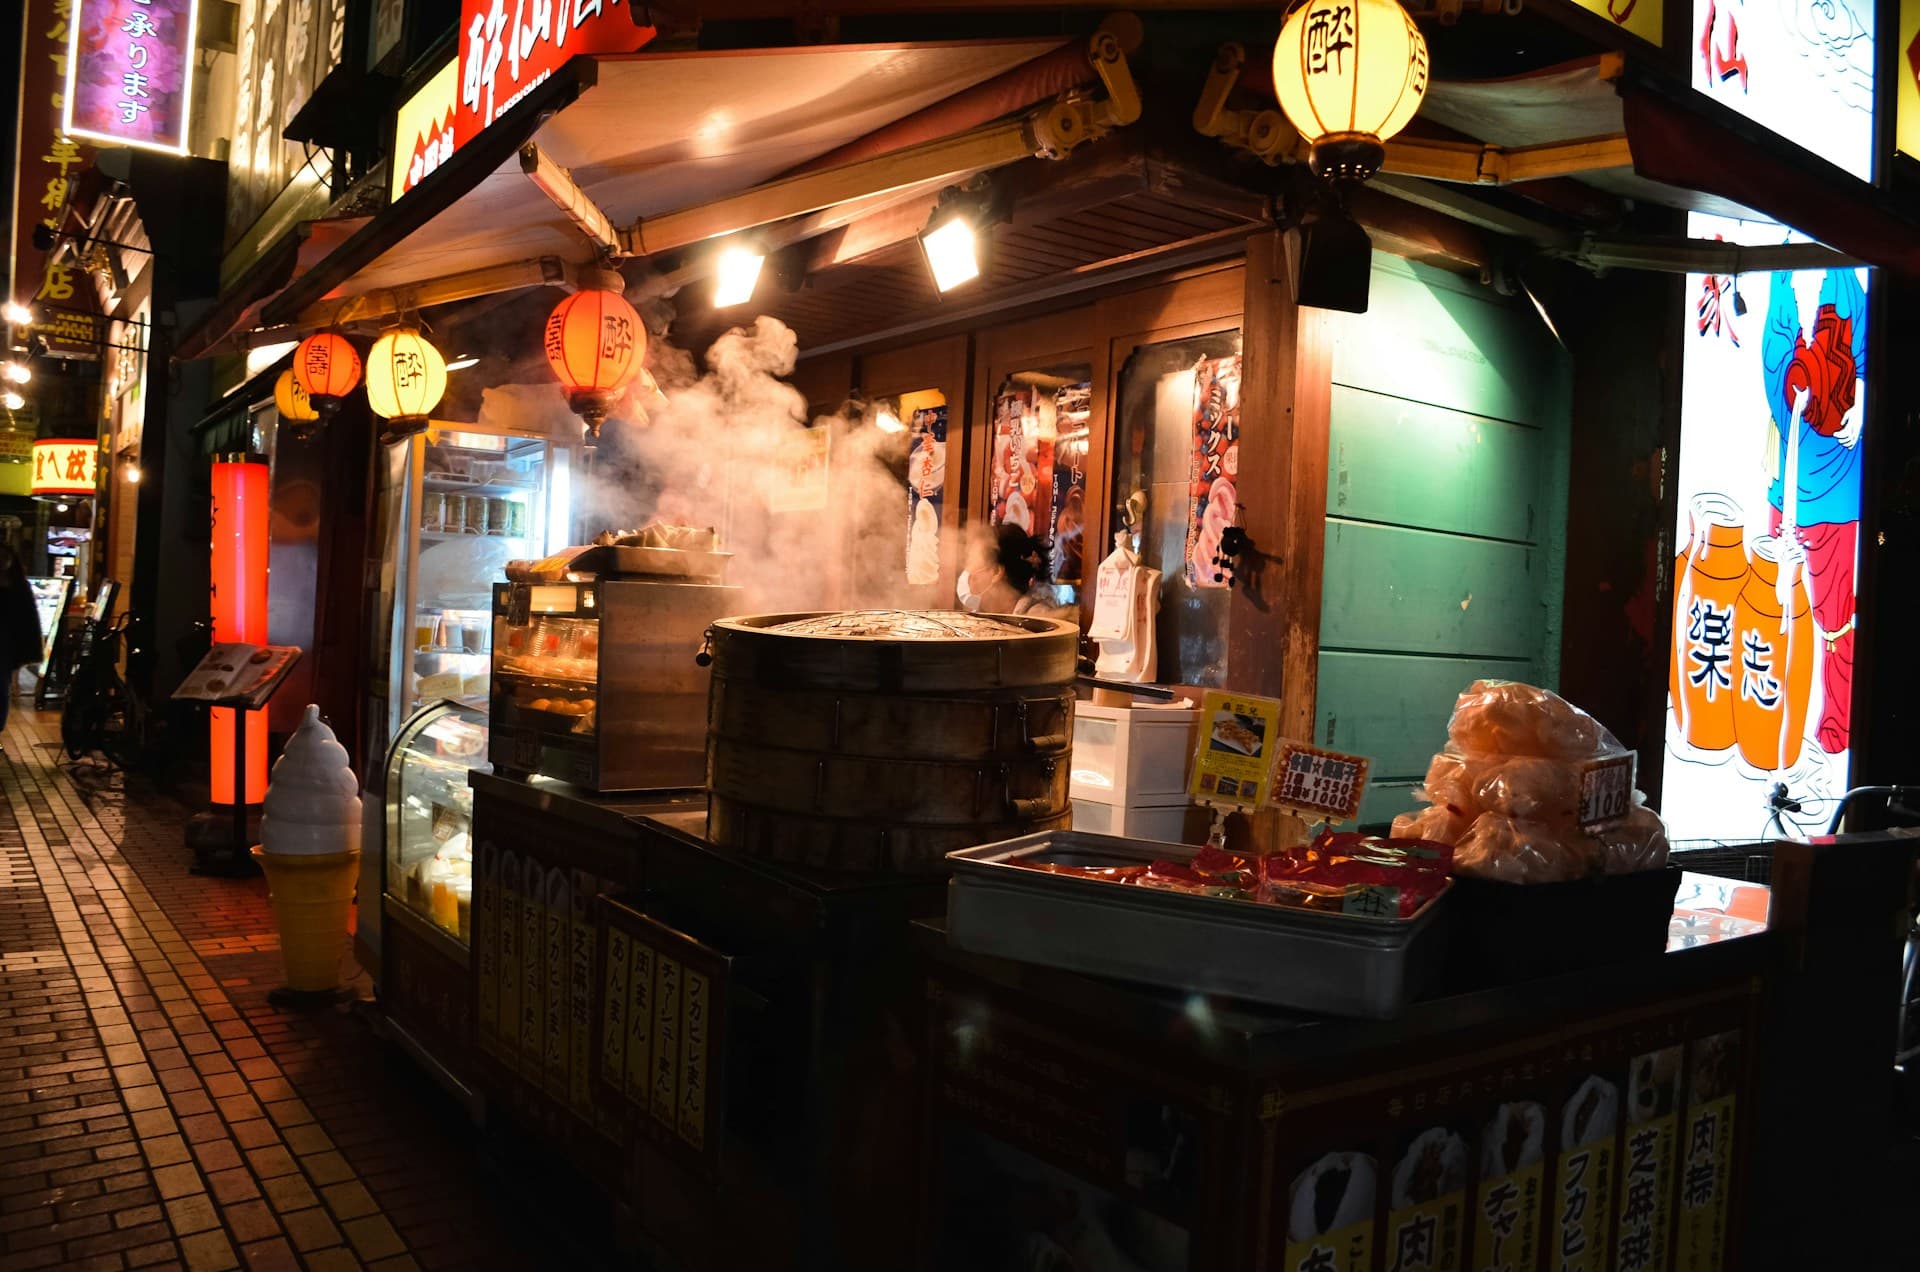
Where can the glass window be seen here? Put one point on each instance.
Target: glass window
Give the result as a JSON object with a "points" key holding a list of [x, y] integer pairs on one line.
{"points": [[1176, 467]]}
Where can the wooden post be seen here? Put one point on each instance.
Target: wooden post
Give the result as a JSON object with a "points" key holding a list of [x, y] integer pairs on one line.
{"points": [[1273, 642]]}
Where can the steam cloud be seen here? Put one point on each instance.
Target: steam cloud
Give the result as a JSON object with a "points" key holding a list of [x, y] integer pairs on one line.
{"points": [[724, 445]]}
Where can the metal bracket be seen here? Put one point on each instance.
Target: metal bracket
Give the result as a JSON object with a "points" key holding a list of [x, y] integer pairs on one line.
{"points": [[1266, 134], [1078, 117]]}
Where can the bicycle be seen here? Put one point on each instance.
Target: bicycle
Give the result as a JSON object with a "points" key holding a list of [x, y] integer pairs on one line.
{"points": [[101, 712]]}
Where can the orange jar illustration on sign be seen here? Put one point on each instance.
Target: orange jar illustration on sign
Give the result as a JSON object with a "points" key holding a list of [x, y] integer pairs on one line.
{"points": [[1708, 578], [1773, 658]]}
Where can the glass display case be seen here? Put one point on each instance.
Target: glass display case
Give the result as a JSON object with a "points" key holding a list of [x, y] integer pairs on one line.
{"points": [[429, 815], [598, 682]]}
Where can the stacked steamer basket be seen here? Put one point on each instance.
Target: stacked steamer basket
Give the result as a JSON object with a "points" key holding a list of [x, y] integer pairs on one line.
{"points": [[883, 739]]}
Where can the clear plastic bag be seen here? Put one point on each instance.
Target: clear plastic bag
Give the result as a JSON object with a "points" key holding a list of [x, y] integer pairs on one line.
{"points": [[1506, 792]]}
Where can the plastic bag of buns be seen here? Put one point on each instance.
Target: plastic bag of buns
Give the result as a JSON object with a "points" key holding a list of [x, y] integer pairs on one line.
{"points": [[1506, 792]]}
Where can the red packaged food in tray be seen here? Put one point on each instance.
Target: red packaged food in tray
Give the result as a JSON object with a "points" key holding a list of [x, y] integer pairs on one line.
{"points": [[1350, 873]]}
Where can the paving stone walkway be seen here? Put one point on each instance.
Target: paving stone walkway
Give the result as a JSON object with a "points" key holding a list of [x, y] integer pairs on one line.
{"points": [[157, 1111]]}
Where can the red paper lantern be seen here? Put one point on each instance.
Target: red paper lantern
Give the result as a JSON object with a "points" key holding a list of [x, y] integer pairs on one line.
{"points": [[595, 343], [326, 365]]}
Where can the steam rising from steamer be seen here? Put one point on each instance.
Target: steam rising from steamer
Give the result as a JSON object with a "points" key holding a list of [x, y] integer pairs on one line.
{"points": [[725, 443]]}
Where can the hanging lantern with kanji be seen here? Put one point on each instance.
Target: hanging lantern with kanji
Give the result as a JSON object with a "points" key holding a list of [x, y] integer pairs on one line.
{"points": [[1350, 74], [291, 400], [596, 344], [327, 366], [406, 377]]}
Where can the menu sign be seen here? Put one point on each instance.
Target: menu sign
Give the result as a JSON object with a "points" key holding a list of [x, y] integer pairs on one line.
{"points": [[1327, 784], [130, 72], [661, 1030], [1234, 765]]}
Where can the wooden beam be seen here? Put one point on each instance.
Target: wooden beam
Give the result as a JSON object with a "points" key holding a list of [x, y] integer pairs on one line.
{"points": [[1419, 234]]}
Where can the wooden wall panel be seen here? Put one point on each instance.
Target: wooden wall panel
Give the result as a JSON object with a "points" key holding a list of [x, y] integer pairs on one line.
{"points": [[1445, 514]]}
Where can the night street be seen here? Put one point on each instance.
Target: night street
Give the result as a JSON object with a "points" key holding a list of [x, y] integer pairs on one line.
{"points": [[156, 1111]]}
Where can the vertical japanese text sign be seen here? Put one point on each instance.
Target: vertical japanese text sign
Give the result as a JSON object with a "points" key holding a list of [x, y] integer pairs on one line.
{"points": [[130, 72], [48, 165]]}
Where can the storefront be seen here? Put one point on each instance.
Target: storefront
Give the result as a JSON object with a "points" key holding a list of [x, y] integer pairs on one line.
{"points": [[693, 968]]}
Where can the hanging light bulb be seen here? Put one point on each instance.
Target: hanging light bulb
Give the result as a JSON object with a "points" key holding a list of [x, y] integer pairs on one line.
{"points": [[16, 373], [18, 315], [406, 377], [12, 400], [1350, 74], [291, 400], [327, 366], [132, 473], [595, 342]]}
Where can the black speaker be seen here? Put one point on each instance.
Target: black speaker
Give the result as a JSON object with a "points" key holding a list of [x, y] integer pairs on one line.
{"points": [[1336, 265]]}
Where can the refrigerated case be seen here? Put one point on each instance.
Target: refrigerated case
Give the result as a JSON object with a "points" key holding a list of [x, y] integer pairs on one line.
{"points": [[428, 856], [456, 503], [425, 891]]}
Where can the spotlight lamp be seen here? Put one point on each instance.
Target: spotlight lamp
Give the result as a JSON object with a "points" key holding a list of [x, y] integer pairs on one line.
{"points": [[1350, 74], [736, 274]]}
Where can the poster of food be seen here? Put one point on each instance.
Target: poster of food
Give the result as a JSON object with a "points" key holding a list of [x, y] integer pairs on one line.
{"points": [[926, 493], [1646, 1182], [1513, 1146], [1066, 554], [1020, 472], [1803, 68], [1214, 466], [1234, 763], [1760, 682], [1426, 1218], [1706, 1158], [1330, 1214], [1589, 1123]]}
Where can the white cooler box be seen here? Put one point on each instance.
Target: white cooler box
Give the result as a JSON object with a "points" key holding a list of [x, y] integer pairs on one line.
{"points": [[1130, 769]]}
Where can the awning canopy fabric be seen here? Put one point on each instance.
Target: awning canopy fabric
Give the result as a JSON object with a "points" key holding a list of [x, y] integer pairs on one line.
{"points": [[1686, 153], [643, 134]]}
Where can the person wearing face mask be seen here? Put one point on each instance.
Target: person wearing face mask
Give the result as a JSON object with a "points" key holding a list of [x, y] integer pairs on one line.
{"points": [[1000, 571]]}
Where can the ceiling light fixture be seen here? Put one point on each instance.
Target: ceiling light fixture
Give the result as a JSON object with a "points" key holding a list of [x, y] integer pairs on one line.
{"points": [[736, 275], [953, 250]]}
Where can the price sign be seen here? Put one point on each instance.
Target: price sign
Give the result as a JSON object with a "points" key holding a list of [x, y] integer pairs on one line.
{"points": [[1233, 766], [1325, 784], [1606, 789]]}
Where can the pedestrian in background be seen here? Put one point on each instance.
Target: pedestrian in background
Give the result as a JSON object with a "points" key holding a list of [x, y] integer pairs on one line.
{"points": [[19, 624]]}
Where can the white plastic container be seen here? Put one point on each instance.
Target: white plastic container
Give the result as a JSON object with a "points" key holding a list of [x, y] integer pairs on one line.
{"points": [[1163, 822], [1132, 757]]}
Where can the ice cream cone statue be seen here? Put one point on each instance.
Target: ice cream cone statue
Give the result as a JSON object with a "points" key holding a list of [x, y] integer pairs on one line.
{"points": [[1708, 579], [310, 850]]}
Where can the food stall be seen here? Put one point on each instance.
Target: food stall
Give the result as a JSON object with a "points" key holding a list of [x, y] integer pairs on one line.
{"points": [[706, 951]]}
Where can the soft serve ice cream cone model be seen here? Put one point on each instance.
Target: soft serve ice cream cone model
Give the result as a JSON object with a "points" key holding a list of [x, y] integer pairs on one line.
{"points": [[310, 850]]}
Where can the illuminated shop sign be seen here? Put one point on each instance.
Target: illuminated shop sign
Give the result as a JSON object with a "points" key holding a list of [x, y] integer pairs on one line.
{"points": [[1802, 68], [130, 72]]}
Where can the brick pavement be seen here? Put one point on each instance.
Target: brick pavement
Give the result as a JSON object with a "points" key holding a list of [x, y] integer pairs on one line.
{"points": [[157, 1111]]}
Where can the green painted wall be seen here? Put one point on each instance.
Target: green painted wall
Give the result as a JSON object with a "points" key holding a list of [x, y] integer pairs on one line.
{"points": [[1446, 515]]}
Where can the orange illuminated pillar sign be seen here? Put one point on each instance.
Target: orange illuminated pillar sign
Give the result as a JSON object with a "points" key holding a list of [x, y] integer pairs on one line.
{"points": [[240, 496]]}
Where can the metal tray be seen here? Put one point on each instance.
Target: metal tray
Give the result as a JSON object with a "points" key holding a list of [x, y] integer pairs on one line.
{"points": [[675, 563], [1337, 964]]}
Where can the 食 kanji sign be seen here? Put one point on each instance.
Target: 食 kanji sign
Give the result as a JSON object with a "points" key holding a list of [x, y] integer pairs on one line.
{"points": [[130, 72], [65, 467]]}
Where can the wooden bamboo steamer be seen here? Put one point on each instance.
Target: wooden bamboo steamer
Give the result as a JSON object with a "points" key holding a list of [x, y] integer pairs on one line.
{"points": [[885, 752]]}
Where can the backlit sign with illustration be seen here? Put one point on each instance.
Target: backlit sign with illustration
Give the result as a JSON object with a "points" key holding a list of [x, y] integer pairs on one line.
{"points": [[65, 467], [1803, 68], [1760, 681], [1906, 77], [130, 72]]}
